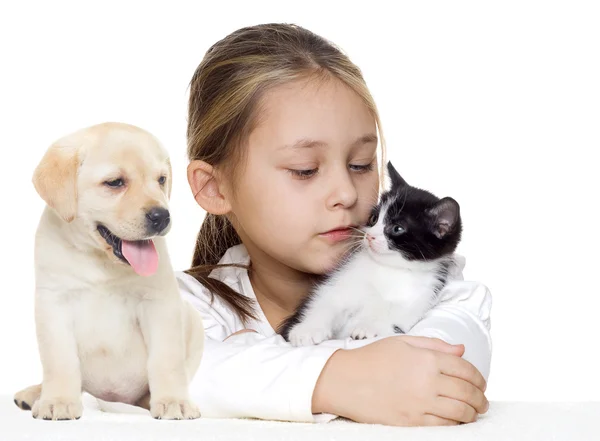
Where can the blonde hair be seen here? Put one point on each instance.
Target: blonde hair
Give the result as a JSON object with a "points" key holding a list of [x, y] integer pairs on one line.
{"points": [[225, 94]]}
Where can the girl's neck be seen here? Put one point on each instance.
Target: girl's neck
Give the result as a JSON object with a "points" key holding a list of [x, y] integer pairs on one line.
{"points": [[279, 289]]}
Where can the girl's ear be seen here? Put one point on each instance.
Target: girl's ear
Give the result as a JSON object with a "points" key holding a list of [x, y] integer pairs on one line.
{"points": [[205, 186]]}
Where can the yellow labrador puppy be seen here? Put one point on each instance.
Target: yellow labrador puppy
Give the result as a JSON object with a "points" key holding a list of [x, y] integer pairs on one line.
{"points": [[109, 317]]}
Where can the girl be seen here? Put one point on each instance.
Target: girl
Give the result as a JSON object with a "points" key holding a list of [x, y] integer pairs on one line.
{"points": [[282, 142]]}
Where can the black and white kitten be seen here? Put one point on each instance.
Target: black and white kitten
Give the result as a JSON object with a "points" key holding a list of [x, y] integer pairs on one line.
{"points": [[393, 279]]}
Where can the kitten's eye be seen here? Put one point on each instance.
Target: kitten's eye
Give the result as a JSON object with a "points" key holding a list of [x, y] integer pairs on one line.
{"points": [[397, 230], [373, 219], [115, 183], [162, 180]]}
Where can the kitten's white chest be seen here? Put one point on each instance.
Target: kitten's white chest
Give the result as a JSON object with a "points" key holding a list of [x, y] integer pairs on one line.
{"points": [[366, 298], [403, 287], [386, 297]]}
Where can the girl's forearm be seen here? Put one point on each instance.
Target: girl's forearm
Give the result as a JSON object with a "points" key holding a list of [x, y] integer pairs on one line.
{"points": [[329, 388]]}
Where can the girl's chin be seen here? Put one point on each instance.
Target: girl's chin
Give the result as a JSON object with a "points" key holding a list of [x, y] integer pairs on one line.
{"points": [[329, 263]]}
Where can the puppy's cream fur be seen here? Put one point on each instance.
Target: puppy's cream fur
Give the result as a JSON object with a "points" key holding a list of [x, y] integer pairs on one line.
{"points": [[101, 327]]}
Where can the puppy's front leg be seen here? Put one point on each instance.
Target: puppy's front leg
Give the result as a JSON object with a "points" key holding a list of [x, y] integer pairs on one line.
{"points": [[61, 386], [161, 322]]}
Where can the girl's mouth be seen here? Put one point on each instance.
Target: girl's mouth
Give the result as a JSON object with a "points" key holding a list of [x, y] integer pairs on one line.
{"points": [[339, 234]]}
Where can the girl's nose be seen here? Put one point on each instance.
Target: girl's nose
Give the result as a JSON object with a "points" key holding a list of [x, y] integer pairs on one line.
{"points": [[343, 193]]}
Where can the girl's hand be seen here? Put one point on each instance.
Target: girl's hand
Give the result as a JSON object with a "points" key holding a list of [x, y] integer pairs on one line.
{"points": [[402, 381]]}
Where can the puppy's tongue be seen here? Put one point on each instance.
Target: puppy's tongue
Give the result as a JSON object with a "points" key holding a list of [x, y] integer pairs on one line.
{"points": [[141, 255]]}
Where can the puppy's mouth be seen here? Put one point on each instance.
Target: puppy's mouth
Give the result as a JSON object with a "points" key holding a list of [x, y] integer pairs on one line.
{"points": [[140, 254]]}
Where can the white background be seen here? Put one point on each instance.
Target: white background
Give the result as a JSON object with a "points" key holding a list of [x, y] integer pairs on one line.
{"points": [[494, 103]]}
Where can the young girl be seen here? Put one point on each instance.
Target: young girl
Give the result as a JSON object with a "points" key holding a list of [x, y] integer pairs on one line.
{"points": [[282, 142]]}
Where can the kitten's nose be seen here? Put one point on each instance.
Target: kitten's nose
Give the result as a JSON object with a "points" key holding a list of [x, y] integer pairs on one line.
{"points": [[157, 219], [370, 238]]}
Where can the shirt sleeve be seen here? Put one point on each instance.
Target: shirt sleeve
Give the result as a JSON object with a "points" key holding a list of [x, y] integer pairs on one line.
{"points": [[462, 317], [250, 375]]}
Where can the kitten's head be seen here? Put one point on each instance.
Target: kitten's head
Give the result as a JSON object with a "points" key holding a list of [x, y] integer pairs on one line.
{"points": [[412, 224]]}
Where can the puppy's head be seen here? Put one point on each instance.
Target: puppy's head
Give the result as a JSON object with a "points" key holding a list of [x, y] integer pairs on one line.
{"points": [[115, 180]]}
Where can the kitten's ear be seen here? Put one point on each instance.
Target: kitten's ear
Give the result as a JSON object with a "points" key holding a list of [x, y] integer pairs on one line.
{"points": [[397, 180], [444, 216]]}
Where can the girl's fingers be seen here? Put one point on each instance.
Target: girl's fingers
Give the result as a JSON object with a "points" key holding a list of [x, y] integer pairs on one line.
{"points": [[433, 420], [461, 390], [453, 410], [460, 368]]}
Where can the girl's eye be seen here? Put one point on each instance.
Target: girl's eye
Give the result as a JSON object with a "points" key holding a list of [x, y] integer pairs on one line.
{"points": [[115, 183], [362, 168], [304, 174], [162, 180], [397, 230]]}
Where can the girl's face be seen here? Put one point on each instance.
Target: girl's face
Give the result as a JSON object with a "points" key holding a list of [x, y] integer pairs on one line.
{"points": [[311, 169]]}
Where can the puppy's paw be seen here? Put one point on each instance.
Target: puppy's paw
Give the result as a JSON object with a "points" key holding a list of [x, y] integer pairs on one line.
{"points": [[26, 398], [173, 409], [303, 335], [60, 409]]}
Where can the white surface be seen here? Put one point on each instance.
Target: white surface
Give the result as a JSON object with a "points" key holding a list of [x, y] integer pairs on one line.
{"points": [[504, 421], [493, 103]]}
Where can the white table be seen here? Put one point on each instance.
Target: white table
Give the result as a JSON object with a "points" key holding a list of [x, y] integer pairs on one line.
{"points": [[504, 421]]}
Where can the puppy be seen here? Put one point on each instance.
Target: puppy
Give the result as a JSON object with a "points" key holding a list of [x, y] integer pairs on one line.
{"points": [[109, 317]]}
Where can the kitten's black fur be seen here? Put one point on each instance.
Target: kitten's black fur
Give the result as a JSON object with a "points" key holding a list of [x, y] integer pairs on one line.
{"points": [[430, 228]]}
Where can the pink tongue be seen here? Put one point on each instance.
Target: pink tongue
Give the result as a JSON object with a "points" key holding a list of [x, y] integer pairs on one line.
{"points": [[141, 255]]}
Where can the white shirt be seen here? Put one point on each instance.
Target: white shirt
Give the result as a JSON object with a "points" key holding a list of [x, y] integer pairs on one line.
{"points": [[260, 375]]}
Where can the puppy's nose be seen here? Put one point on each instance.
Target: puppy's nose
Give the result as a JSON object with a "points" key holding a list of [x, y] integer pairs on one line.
{"points": [[158, 219]]}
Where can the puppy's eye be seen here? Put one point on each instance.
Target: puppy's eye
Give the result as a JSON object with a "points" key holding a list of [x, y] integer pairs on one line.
{"points": [[162, 180], [115, 183]]}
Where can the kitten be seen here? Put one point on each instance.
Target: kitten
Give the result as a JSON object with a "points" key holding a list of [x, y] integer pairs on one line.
{"points": [[388, 284]]}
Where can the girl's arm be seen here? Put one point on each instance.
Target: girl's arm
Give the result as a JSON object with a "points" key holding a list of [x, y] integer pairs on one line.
{"points": [[462, 317], [246, 374], [250, 375], [391, 381]]}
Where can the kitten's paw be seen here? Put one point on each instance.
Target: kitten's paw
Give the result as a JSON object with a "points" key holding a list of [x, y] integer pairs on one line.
{"points": [[362, 332], [62, 408], [173, 409], [305, 336], [398, 330]]}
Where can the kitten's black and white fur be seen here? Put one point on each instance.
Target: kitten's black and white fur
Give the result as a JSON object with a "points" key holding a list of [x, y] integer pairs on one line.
{"points": [[393, 279]]}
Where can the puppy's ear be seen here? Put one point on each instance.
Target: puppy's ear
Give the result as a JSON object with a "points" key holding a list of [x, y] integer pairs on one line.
{"points": [[55, 179], [169, 179]]}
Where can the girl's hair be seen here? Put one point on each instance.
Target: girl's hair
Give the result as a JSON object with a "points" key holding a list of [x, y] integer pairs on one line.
{"points": [[225, 94]]}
